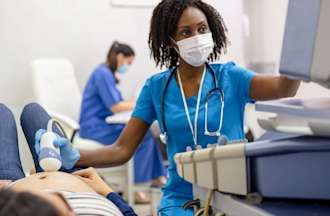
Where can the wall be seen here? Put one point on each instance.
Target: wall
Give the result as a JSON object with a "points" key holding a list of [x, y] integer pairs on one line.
{"points": [[81, 30], [263, 47], [267, 20]]}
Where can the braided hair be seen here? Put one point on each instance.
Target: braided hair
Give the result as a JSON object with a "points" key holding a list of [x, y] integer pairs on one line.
{"points": [[164, 23]]}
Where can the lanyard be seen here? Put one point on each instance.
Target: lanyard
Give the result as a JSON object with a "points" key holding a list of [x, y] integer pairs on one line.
{"points": [[193, 130]]}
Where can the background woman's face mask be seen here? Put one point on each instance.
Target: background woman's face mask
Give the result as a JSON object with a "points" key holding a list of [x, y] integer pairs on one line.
{"points": [[123, 69], [196, 50]]}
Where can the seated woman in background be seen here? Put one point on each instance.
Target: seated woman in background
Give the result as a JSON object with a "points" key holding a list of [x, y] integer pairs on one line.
{"points": [[102, 98], [48, 193]]}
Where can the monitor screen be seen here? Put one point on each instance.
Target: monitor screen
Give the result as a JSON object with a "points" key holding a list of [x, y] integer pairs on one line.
{"points": [[306, 43]]}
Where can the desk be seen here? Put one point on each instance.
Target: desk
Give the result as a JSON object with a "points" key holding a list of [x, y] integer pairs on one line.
{"points": [[119, 118]]}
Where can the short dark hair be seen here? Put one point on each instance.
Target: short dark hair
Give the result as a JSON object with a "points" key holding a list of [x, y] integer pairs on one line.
{"points": [[115, 49], [24, 204], [164, 23]]}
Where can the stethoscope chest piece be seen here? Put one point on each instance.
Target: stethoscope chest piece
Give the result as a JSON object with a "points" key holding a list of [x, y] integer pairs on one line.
{"points": [[163, 137]]}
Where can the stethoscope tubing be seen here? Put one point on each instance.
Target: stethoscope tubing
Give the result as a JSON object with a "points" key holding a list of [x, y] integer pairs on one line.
{"points": [[163, 135]]}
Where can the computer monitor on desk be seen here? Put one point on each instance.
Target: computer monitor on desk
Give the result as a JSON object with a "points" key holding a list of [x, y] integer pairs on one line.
{"points": [[306, 44]]}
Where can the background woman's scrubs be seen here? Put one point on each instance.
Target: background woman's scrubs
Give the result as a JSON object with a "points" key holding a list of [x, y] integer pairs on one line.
{"points": [[100, 94], [235, 82]]}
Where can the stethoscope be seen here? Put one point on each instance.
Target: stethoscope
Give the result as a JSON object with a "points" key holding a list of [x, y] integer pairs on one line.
{"points": [[216, 90]]}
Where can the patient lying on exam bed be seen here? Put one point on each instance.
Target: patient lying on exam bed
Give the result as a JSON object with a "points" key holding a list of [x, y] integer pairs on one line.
{"points": [[48, 193], [66, 194]]}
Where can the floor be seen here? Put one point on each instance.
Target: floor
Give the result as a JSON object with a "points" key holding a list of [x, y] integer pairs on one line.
{"points": [[149, 209], [143, 210]]}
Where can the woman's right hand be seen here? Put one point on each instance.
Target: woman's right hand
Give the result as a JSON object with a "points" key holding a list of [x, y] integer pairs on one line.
{"points": [[90, 177]]}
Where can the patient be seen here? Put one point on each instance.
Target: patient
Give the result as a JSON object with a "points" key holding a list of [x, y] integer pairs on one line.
{"points": [[55, 193]]}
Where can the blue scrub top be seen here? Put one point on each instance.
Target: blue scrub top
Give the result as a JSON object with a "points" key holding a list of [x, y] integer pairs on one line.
{"points": [[100, 94], [235, 82]]}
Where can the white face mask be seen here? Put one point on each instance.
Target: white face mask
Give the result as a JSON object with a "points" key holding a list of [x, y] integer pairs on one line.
{"points": [[196, 50]]}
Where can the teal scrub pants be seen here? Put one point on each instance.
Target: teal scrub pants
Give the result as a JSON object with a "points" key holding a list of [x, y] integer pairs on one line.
{"points": [[175, 210]]}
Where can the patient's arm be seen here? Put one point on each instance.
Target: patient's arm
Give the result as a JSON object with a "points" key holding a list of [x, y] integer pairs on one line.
{"points": [[90, 177]]}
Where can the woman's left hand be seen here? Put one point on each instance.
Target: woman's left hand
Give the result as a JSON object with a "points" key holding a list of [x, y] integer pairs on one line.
{"points": [[90, 177]]}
